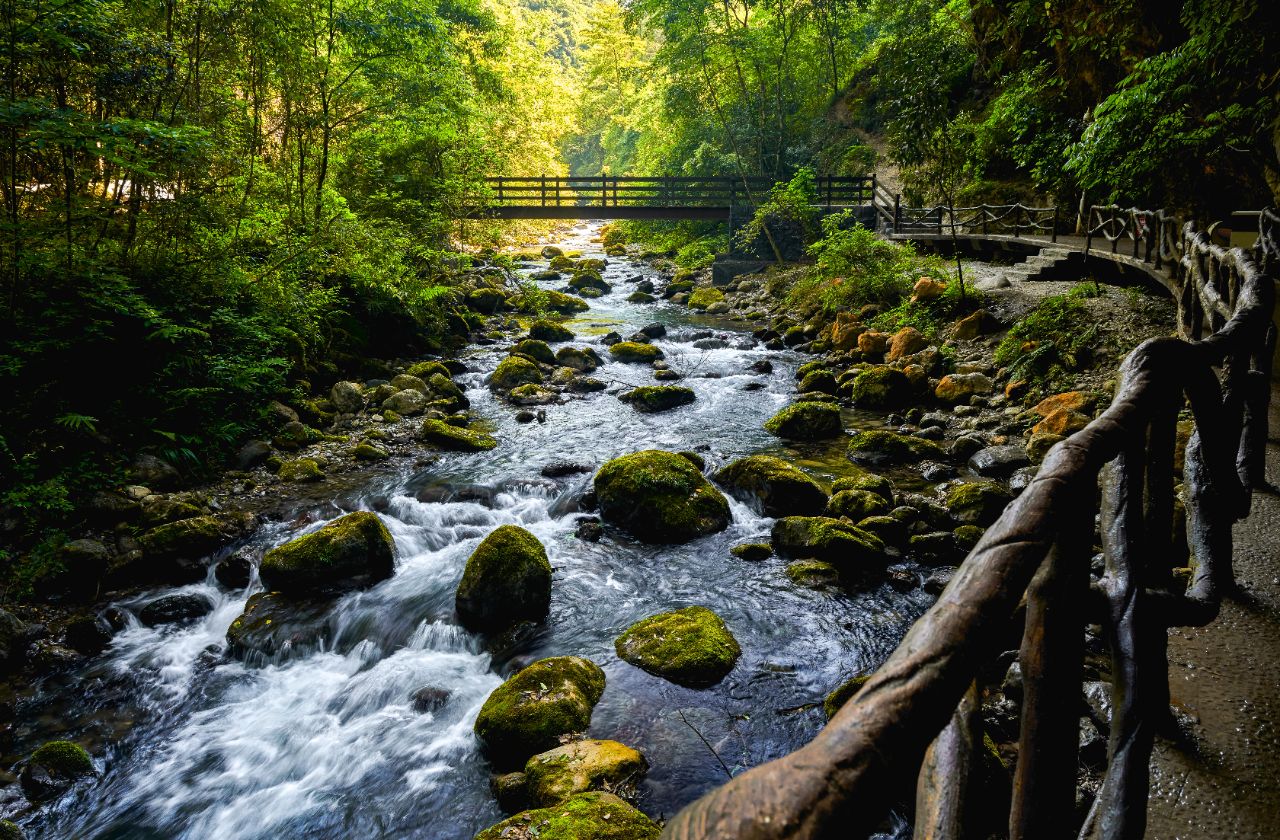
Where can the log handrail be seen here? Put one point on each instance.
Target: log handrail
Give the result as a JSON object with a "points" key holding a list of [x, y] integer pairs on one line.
{"points": [[660, 191], [841, 783]]}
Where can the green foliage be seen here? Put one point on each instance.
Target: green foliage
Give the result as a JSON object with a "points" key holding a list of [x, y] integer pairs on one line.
{"points": [[790, 205], [929, 316], [1049, 340]]}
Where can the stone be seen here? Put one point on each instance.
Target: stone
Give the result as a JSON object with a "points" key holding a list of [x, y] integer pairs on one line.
{"points": [[175, 609], [690, 647], [543, 330], [487, 301], [407, 382], [149, 470], [977, 502], [845, 331], [425, 370], [752, 552], [1062, 422], [872, 342], [53, 768], [926, 288], [252, 455], [880, 387], [806, 420], [660, 497], [998, 461], [971, 326], [366, 451], [87, 634], [406, 403], [854, 552], [813, 574], [274, 625], [507, 580], [655, 398], [857, 505], [937, 548], [352, 549], [530, 712], [194, 537], [579, 766], [347, 397], [959, 387], [705, 297], [594, 815], [1040, 444], [842, 694], [537, 350], [877, 447], [870, 482], [584, 360], [235, 571], [777, 487], [820, 381], [633, 352], [300, 471], [905, 341], [429, 699], [514, 371], [1070, 400], [445, 436]]}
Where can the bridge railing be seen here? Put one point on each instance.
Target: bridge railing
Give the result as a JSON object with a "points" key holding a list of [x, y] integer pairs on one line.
{"points": [[661, 191], [987, 219], [1154, 235], [917, 717]]}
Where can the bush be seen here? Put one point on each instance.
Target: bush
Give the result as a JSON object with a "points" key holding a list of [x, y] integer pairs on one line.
{"points": [[1049, 340], [789, 205]]}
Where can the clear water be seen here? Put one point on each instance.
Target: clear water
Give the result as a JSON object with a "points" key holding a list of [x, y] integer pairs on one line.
{"points": [[326, 743]]}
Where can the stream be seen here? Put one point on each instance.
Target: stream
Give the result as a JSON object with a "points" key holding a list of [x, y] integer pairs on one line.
{"points": [[326, 743]]}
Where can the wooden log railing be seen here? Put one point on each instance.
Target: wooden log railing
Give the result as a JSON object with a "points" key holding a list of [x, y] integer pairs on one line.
{"points": [[662, 191], [914, 717], [985, 219]]}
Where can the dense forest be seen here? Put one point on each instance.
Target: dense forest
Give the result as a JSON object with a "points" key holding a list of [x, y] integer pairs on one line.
{"points": [[213, 204]]}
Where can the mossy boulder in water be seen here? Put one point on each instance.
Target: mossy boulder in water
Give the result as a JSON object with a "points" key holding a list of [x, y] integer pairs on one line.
{"points": [[195, 536], [691, 647], [877, 447], [356, 548], [544, 330], [818, 381], [580, 766], [441, 434], [513, 371], [778, 487], [813, 574], [583, 360], [654, 398], [487, 301], [537, 350], [633, 352], [880, 387], [273, 624], [595, 815], [53, 768], [870, 482], [704, 297], [528, 713], [301, 471], [558, 302], [850, 549], [857, 504], [842, 694], [507, 580], [425, 370], [660, 497], [805, 421], [10, 830], [977, 503]]}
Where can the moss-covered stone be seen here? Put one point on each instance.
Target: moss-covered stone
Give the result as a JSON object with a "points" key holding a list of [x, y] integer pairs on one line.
{"points": [[366, 451], [507, 580], [273, 623], [487, 301], [779, 488], [633, 352], [704, 297], [562, 303], [594, 815], [528, 713], [640, 297], [583, 282], [977, 502], [842, 694], [880, 448], [967, 536], [813, 574], [10, 830], [854, 552], [818, 381], [805, 421], [301, 471], [691, 647], [880, 387], [53, 768], [870, 482], [425, 370], [514, 371], [660, 497], [193, 537], [753, 552], [446, 390], [356, 547], [857, 504], [890, 530], [651, 399], [537, 350], [446, 436], [543, 330], [532, 394], [583, 359], [579, 766]]}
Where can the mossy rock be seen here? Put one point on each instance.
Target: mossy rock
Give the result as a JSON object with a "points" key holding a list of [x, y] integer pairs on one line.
{"points": [[446, 436], [842, 694], [660, 497], [857, 504], [977, 502], [446, 389], [583, 360], [10, 830], [192, 537], [880, 448], [870, 482], [532, 395], [357, 547], [640, 297], [880, 387], [589, 281], [806, 421], [487, 301], [52, 768], [690, 647], [273, 623], [633, 352], [704, 297], [579, 766], [753, 552], [594, 815], [564, 304], [818, 381], [365, 451], [425, 370], [779, 488], [967, 537], [853, 551], [654, 398], [813, 574], [537, 350], [528, 713], [559, 262], [507, 580], [514, 371], [544, 330]]}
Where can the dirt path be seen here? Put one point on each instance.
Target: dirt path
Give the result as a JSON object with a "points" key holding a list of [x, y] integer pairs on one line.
{"points": [[1225, 783]]}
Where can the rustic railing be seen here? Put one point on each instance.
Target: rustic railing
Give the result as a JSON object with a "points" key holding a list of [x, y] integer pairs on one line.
{"points": [[915, 719], [662, 191], [985, 219], [1155, 236]]}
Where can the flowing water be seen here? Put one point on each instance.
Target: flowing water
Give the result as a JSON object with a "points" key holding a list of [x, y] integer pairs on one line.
{"points": [[327, 744]]}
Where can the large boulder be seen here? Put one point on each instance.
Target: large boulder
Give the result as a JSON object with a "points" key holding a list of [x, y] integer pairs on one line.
{"points": [[347, 397], [880, 387], [353, 549], [528, 713], [690, 647], [507, 580], [660, 497], [806, 421], [977, 502], [579, 766], [274, 625], [582, 360], [595, 815], [779, 488], [544, 330], [849, 549], [537, 350], [959, 387], [705, 297], [905, 341], [999, 461], [406, 403], [195, 536], [53, 768], [441, 434], [877, 447], [857, 504], [634, 352], [654, 398], [513, 371]]}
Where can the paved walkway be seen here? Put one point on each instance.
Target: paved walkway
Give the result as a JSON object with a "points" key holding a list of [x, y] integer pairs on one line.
{"points": [[1225, 783]]}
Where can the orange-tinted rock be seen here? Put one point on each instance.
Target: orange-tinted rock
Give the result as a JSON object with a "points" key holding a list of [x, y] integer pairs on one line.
{"points": [[971, 326], [845, 332], [905, 341], [1062, 421], [927, 288], [958, 387], [1016, 389], [1071, 400], [873, 342]]}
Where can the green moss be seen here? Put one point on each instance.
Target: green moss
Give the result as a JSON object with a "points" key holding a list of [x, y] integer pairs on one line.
{"points": [[778, 487], [842, 694], [64, 759], [704, 297], [752, 551], [446, 436], [880, 387], [809, 367], [487, 301], [878, 447], [870, 482], [813, 574], [640, 297], [818, 381], [544, 330], [654, 398], [301, 470], [967, 536], [10, 830], [564, 304], [594, 815], [1051, 339], [197, 535], [513, 371], [584, 360], [365, 451], [528, 713], [580, 766], [559, 262], [852, 550], [537, 350], [507, 579], [805, 421], [977, 502], [425, 370], [675, 287], [660, 497], [634, 352], [857, 504], [355, 545], [691, 647]]}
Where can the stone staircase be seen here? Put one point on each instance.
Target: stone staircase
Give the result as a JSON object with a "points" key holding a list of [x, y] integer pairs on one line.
{"points": [[1051, 263]]}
